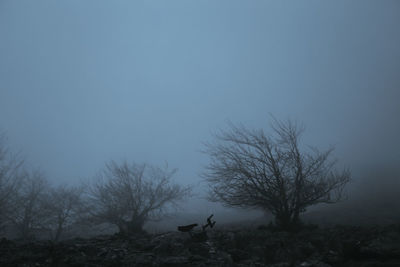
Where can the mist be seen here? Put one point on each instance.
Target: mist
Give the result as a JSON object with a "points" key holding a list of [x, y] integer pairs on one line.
{"points": [[86, 82]]}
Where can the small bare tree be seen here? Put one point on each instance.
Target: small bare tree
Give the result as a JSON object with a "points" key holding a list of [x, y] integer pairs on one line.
{"points": [[249, 168], [28, 212], [10, 179], [63, 206], [128, 195]]}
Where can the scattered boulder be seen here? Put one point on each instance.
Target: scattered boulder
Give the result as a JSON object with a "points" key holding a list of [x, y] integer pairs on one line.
{"points": [[337, 246]]}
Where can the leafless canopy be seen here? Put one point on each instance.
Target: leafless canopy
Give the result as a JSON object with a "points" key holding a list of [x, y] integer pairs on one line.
{"points": [[27, 214], [249, 168], [10, 178], [128, 195], [64, 206]]}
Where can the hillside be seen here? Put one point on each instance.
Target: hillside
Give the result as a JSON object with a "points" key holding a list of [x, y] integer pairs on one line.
{"points": [[335, 246]]}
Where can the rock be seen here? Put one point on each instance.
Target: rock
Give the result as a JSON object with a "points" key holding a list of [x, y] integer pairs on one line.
{"points": [[238, 255], [202, 249], [175, 262], [338, 246], [280, 264], [166, 247], [313, 263], [385, 246], [140, 259]]}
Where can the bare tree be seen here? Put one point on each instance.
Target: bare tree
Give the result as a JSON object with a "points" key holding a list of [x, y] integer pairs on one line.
{"points": [[28, 213], [249, 168], [128, 195], [10, 178], [64, 206]]}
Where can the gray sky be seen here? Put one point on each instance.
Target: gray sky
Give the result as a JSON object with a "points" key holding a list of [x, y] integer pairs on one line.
{"points": [[84, 82]]}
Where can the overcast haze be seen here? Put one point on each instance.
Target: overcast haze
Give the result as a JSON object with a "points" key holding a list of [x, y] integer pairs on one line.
{"points": [[84, 82]]}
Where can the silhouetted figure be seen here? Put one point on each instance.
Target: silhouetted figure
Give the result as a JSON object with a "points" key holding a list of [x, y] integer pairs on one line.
{"points": [[209, 223]]}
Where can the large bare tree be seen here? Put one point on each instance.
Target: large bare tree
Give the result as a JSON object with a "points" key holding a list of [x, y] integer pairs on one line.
{"points": [[128, 195], [272, 172]]}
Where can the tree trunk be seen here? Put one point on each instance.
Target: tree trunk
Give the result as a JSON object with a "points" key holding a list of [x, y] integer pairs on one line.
{"points": [[287, 221], [58, 233], [296, 218], [283, 221], [131, 227]]}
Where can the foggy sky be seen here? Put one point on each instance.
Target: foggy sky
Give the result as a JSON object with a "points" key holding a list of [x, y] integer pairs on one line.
{"points": [[84, 82]]}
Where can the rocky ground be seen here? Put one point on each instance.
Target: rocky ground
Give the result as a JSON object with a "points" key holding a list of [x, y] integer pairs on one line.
{"points": [[335, 246]]}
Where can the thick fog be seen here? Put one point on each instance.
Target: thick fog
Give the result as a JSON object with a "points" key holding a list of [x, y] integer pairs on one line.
{"points": [[85, 82]]}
